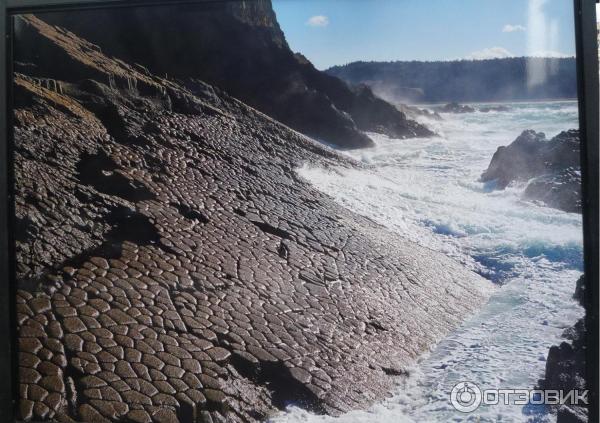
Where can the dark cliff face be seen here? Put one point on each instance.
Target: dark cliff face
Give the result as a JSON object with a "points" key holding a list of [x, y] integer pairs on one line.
{"points": [[239, 47], [173, 267], [552, 168]]}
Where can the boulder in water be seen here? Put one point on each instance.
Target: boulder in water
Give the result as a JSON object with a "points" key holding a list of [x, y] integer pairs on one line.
{"points": [[551, 166], [494, 109], [455, 108]]}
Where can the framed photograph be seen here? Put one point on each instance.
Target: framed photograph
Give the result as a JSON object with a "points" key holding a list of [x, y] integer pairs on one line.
{"points": [[299, 211]]}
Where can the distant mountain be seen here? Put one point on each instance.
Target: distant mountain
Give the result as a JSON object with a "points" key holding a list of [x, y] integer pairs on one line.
{"points": [[508, 79]]}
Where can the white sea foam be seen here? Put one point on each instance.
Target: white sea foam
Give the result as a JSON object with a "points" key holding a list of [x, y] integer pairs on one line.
{"points": [[428, 191]]}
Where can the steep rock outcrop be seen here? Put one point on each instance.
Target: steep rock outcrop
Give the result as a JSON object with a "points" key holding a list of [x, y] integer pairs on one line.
{"points": [[174, 267], [555, 165], [240, 48]]}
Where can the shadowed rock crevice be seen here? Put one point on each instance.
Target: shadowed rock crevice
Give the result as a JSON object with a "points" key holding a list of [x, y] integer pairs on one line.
{"points": [[73, 387], [284, 388], [25, 229], [129, 225], [101, 172], [125, 225], [189, 213], [112, 120], [272, 230], [264, 226], [190, 105]]}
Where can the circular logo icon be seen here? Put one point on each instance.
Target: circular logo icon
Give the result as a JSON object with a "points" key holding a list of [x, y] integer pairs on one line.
{"points": [[465, 397]]}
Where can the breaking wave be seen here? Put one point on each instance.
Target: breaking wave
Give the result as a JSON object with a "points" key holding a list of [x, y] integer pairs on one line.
{"points": [[428, 191]]}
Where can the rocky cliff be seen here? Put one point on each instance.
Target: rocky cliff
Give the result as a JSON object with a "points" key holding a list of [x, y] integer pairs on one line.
{"points": [[552, 168], [240, 48], [172, 266]]}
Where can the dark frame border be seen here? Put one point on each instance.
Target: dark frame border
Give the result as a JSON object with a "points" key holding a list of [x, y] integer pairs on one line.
{"points": [[589, 113], [586, 38]]}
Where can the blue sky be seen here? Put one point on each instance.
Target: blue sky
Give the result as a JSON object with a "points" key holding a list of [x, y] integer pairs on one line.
{"points": [[333, 32]]}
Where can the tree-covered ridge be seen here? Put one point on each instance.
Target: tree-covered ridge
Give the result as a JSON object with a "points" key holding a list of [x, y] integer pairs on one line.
{"points": [[519, 78]]}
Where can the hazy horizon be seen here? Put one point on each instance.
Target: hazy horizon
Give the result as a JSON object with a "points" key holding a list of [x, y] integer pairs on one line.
{"points": [[453, 60]]}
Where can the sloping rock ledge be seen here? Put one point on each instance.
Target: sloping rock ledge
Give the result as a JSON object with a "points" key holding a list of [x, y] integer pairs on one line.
{"points": [[172, 267]]}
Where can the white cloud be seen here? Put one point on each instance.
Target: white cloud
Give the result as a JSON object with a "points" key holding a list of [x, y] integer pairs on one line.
{"points": [[318, 20], [513, 28], [489, 53]]}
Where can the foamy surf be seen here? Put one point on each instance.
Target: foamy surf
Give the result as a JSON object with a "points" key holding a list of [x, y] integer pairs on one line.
{"points": [[428, 191]]}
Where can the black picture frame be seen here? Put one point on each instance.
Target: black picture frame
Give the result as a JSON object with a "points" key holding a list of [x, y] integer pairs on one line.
{"points": [[589, 112], [587, 90]]}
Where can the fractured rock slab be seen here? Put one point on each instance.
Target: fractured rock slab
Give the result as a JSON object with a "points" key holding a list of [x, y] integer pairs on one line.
{"points": [[170, 299]]}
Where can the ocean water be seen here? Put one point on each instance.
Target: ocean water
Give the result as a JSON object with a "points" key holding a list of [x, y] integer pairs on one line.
{"points": [[428, 191]]}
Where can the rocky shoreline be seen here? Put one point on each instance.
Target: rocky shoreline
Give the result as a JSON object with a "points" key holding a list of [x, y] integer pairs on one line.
{"points": [[566, 366], [174, 267]]}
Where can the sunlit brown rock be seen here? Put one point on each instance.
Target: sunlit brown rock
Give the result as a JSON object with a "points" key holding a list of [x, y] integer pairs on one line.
{"points": [[172, 266]]}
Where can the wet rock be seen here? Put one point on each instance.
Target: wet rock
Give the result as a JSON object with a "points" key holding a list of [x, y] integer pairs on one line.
{"points": [[552, 168], [455, 108], [566, 367], [561, 190], [566, 414]]}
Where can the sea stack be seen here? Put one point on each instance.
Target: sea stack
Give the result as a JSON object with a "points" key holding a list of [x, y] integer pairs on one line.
{"points": [[551, 168]]}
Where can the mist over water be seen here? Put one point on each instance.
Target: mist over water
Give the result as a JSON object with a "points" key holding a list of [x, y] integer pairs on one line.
{"points": [[428, 191]]}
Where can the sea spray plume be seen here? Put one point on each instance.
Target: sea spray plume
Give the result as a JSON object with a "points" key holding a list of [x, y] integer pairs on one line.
{"points": [[536, 40], [542, 40]]}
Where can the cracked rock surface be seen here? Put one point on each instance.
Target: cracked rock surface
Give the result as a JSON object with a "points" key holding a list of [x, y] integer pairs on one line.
{"points": [[172, 266]]}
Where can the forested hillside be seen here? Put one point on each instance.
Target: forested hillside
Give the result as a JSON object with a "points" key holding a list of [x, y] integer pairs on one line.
{"points": [[466, 80]]}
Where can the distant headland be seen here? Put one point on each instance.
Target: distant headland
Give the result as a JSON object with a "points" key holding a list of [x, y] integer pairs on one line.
{"points": [[493, 80]]}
